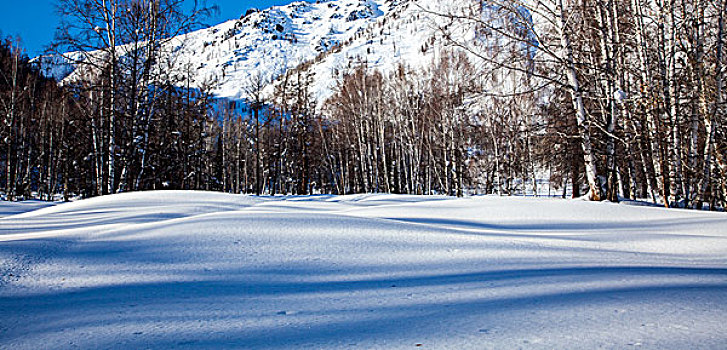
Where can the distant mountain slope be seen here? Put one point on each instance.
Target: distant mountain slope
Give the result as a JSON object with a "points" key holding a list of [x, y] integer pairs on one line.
{"points": [[332, 35], [275, 39], [411, 34]]}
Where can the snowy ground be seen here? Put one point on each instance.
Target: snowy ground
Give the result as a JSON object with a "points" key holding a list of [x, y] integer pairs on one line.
{"points": [[206, 270]]}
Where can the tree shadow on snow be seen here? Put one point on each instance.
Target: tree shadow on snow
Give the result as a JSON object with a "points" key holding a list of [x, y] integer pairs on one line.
{"points": [[227, 308]]}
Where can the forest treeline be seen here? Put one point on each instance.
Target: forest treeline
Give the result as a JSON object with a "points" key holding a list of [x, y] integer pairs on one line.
{"points": [[635, 91], [607, 98]]}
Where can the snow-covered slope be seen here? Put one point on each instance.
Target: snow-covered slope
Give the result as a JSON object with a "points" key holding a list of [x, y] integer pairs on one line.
{"points": [[265, 42], [207, 270], [410, 35], [270, 41], [332, 35]]}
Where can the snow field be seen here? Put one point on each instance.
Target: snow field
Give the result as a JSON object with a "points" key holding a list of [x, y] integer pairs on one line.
{"points": [[206, 270]]}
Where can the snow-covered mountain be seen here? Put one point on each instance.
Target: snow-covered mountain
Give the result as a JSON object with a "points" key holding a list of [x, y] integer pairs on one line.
{"points": [[331, 35], [270, 41]]}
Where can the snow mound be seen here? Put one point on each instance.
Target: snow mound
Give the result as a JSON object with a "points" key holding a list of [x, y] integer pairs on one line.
{"points": [[207, 270]]}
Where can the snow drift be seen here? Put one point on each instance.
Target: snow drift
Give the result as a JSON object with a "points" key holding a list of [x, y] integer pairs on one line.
{"points": [[208, 270]]}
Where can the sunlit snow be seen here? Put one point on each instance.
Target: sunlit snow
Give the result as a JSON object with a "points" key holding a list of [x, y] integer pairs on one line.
{"points": [[208, 270]]}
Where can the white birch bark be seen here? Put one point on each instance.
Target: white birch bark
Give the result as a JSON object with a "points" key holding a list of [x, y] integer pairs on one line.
{"points": [[577, 98]]}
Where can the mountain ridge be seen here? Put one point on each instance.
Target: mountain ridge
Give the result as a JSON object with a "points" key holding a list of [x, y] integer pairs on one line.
{"points": [[332, 34]]}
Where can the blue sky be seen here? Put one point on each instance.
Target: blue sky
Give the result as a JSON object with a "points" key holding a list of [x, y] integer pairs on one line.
{"points": [[35, 20]]}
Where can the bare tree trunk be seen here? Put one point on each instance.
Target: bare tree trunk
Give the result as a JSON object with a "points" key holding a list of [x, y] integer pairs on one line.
{"points": [[670, 91], [238, 146], [652, 122], [10, 122], [712, 124], [95, 139], [110, 20], [607, 42], [581, 117]]}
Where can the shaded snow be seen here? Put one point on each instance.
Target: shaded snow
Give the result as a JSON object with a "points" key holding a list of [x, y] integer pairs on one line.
{"points": [[209, 270], [14, 208]]}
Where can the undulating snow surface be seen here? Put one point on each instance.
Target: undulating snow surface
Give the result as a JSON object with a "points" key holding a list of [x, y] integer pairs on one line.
{"points": [[207, 270]]}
